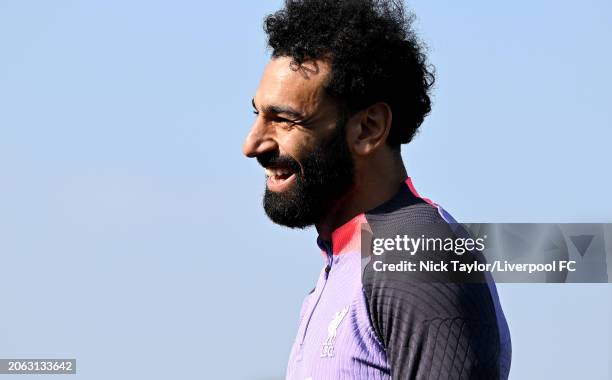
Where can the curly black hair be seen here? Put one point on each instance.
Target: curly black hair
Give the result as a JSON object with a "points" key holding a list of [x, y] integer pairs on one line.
{"points": [[375, 55]]}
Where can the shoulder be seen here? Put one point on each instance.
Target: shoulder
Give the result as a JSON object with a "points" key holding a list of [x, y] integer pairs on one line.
{"points": [[421, 316]]}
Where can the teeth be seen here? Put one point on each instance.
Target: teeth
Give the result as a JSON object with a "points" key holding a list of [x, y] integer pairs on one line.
{"points": [[277, 172]]}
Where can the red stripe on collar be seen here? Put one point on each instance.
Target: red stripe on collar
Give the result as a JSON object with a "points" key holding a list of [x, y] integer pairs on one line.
{"points": [[347, 237], [414, 192]]}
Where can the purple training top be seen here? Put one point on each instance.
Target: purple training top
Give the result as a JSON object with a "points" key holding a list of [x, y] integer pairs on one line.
{"points": [[358, 323]]}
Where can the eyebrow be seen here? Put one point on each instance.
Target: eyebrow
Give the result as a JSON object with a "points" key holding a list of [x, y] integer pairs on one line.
{"points": [[277, 110]]}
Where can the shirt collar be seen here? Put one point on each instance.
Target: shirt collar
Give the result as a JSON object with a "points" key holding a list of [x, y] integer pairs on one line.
{"points": [[347, 237]]}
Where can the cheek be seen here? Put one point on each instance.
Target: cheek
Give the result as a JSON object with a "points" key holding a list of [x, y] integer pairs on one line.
{"points": [[296, 145]]}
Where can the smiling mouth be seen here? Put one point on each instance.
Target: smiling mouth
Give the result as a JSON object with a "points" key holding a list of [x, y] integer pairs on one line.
{"points": [[279, 178]]}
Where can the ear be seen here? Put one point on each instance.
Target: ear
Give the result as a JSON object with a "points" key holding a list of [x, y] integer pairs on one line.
{"points": [[369, 128]]}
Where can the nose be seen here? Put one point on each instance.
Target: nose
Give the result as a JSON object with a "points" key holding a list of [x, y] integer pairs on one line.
{"points": [[258, 141]]}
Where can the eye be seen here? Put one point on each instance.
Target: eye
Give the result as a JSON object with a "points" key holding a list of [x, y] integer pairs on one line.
{"points": [[256, 112], [281, 120], [284, 123]]}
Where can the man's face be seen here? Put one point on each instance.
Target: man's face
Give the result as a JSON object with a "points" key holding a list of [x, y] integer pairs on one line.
{"points": [[299, 138]]}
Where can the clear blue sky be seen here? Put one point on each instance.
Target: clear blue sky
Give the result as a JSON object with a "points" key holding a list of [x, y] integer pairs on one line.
{"points": [[131, 231]]}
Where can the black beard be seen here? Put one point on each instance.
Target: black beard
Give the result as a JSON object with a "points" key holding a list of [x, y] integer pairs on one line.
{"points": [[327, 174]]}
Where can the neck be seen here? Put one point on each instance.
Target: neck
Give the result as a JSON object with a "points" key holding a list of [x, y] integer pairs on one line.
{"points": [[373, 187]]}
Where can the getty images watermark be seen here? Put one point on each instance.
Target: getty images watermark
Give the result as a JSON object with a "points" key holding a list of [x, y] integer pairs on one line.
{"points": [[458, 246], [510, 252]]}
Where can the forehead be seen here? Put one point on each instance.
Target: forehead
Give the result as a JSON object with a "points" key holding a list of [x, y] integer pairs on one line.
{"points": [[298, 86]]}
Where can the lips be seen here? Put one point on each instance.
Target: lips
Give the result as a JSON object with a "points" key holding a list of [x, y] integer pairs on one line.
{"points": [[279, 178]]}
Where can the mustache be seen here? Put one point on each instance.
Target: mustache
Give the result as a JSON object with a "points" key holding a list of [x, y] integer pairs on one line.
{"points": [[274, 159]]}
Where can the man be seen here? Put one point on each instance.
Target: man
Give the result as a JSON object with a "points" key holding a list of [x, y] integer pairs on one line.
{"points": [[346, 86]]}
